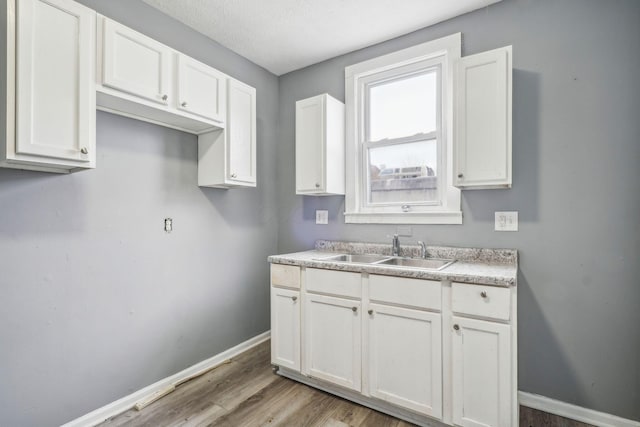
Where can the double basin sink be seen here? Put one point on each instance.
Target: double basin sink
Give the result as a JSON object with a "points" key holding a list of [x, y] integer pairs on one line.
{"points": [[392, 261]]}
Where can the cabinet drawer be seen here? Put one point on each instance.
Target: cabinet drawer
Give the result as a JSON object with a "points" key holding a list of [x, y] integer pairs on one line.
{"points": [[403, 291], [483, 301], [287, 276], [334, 282]]}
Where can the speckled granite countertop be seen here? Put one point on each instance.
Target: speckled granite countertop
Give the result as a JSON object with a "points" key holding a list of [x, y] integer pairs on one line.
{"points": [[495, 267]]}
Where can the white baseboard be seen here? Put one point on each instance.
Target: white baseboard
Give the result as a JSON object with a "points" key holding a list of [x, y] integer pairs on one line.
{"points": [[112, 409], [578, 413]]}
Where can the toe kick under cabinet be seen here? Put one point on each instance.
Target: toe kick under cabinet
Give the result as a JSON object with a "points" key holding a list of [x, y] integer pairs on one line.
{"points": [[429, 352]]}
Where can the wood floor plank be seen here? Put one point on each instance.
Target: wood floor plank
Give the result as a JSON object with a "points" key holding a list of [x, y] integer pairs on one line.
{"points": [[245, 392]]}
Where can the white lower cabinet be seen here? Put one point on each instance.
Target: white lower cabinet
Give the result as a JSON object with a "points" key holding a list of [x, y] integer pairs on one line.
{"points": [[285, 328], [332, 340], [405, 358], [481, 367], [418, 349]]}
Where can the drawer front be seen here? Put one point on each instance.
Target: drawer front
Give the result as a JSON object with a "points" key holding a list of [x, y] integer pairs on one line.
{"points": [[418, 293], [340, 283], [483, 301], [287, 276]]}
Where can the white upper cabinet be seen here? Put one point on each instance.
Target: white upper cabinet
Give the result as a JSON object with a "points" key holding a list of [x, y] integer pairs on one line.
{"points": [[320, 148], [227, 158], [50, 106], [201, 89], [135, 63], [483, 120], [141, 78]]}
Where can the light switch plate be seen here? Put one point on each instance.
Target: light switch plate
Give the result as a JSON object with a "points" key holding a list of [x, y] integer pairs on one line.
{"points": [[506, 221], [322, 217]]}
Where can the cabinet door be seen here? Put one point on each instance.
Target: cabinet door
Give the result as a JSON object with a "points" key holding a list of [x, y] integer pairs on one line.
{"points": [[332, 347], [481, 373], [241, 133], [55, 80], [285, 328], [135, 63], [483, 120], [310, 138], [405, 358], [201, 89]]}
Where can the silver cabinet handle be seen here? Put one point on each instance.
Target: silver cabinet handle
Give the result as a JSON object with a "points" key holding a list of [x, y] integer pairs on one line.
{"points": [[370, 312], [233, 175], [460, 175], [294, 299], [456, 327], [317, 185], [184, 104], [84, 150], [483, 294], [354, 309], [165, 97]]}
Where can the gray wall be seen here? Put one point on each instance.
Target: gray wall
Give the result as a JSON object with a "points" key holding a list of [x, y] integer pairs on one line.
{"points": [[96, 300], [576, 156]]}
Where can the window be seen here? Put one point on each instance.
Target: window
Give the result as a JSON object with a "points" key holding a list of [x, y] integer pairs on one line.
{"points": [[399, 148]]}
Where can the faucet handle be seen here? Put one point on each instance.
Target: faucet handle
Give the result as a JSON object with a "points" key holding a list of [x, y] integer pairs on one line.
{"points": [[423, 249]]}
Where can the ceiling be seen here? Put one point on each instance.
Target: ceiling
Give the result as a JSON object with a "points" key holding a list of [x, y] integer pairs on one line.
{"points": [[285, 35]]}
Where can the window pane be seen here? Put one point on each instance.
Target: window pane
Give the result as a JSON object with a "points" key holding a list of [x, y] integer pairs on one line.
{"points": [[403, 107], [403, 173]]}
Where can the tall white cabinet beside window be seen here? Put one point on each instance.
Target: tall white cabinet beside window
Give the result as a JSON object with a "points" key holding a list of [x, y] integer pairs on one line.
{"points": [[48, 87], [227, 157], [320, 146], [482, 148]]}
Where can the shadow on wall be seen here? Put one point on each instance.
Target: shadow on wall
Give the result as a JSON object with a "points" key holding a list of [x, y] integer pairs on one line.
{"points": [[481, 204], [539, 347]]}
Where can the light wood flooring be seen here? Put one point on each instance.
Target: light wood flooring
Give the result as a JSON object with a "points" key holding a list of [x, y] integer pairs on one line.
{"points": [[245, 392]]}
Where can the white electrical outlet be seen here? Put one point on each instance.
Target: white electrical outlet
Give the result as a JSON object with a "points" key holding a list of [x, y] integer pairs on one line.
{"points": [[168, 225], [322, 217], [506, 221]]}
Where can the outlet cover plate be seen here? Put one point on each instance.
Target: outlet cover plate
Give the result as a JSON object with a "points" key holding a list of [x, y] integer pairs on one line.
{"points": [[506, 221], [322, 217]]}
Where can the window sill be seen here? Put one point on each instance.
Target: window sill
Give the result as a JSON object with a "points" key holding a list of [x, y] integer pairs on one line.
{"points": [[443, 217]]}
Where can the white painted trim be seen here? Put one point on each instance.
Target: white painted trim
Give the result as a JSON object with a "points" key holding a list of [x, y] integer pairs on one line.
{"points": [[114, 408], [578, 413]]}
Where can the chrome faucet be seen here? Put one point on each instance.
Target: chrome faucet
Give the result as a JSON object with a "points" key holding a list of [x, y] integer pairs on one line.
{"points": [[395, 251], [423, 249]]}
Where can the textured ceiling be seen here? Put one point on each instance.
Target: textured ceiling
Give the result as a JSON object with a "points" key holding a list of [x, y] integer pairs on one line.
{"points": [[285, 35]]}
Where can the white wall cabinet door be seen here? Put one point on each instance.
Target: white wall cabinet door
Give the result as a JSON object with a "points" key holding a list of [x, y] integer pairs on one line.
{"points": [[135, 63], [405, 358], [483, 120], [332, 333], [201, 89], [285, 328], [241, 133], [481, 373], [55, 90], [227, 157], [320, 146]]}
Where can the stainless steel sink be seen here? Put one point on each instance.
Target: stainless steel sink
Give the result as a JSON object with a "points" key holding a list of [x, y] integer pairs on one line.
{"points": [[424, 263], [355, 258]]}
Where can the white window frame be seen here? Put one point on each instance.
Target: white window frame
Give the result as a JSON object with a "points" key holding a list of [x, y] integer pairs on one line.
{"points": [[444, 52]]}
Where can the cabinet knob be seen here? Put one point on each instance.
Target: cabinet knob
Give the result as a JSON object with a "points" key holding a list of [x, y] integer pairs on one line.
{"points": [[354, 309], [165, 97], [317, 185], [184, 104], [233, 175], [84, 150], [460, 175], [456, 327], [370, 312], [294, 299], [483, 294]]}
